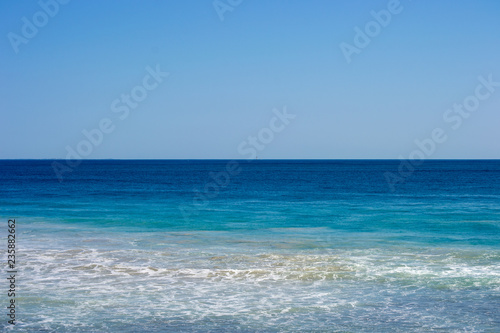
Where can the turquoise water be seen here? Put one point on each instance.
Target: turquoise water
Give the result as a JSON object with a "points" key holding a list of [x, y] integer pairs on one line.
{"points": [[275, 246]]}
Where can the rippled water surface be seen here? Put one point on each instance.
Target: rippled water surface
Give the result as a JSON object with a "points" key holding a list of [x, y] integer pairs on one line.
{"points": [[140, 246]]}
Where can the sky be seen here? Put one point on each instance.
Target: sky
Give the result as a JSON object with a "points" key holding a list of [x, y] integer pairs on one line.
{"points": [[309, 79]]}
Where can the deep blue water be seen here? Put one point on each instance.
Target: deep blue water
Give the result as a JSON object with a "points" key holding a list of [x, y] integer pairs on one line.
{"points": [[143, 245]]}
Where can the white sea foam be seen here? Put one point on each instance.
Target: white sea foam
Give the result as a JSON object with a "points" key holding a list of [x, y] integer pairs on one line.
{"points": [[158, 276]]}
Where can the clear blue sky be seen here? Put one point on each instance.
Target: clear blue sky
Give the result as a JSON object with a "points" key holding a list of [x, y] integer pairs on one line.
{"points": [[227, 76]]}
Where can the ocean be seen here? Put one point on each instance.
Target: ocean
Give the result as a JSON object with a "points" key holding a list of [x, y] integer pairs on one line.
{"points": [[253, 246]]}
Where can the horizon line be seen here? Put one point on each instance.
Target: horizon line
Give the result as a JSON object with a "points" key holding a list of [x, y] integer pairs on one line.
{"points": [[244, 159]]}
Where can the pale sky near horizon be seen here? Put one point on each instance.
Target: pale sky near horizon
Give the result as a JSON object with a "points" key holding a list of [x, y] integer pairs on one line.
{"points": [[226, 77]]}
